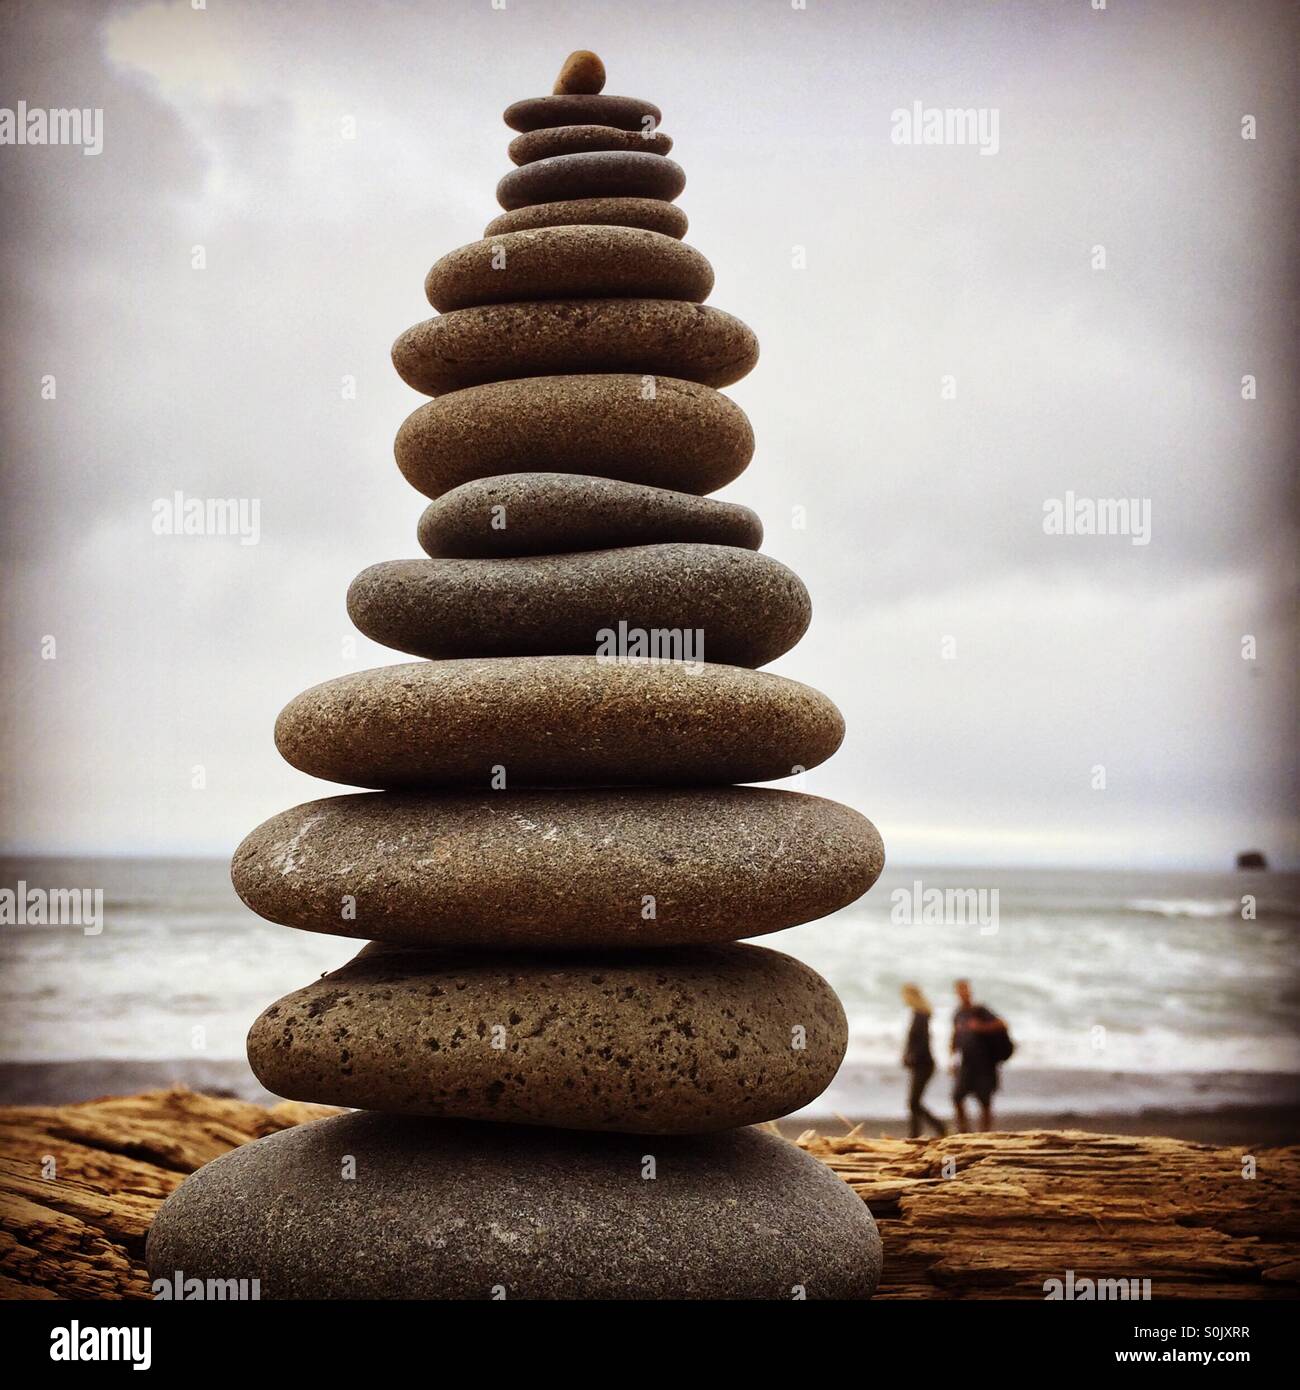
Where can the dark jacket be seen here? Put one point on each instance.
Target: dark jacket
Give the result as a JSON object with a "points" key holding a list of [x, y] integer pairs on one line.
{"points": [[917, 1054]]}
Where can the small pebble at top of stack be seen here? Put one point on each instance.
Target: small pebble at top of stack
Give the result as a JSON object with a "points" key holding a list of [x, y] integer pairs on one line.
{"points": [[583, 74]]}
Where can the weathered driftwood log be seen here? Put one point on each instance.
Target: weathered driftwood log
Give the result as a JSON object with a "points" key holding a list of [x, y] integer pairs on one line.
{"points": [[971, 1216], [998, 1215]]}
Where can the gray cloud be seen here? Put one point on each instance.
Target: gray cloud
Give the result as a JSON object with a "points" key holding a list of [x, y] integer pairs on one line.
{"points": [[1118, 128]]}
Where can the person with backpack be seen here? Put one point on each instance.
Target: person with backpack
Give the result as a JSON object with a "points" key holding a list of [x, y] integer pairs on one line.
{"points": [[981, 1041]]}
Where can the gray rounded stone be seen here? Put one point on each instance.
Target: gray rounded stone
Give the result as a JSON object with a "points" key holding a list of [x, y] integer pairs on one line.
{"points": [[554, 513], [684, 1041], [556, 721], [581, 139], [558, 869], [543, 113], [748, 608], [568, 263], [681, 436], [453, 1209], [501, 342], [649, 213], [592, 174]]}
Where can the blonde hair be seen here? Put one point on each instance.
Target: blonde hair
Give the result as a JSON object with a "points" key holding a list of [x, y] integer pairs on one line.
{"points": [[914, 999]]}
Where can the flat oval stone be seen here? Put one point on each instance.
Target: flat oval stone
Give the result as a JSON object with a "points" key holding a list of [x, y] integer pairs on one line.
{"points": [[558, 869], [580, 139], [556, 721], [592, 174], [555, 513], [500, 342], [568, 263], [541, 113], [679, 1041], [748, 607], [683, 436], [649, 213], [453, 1209]]}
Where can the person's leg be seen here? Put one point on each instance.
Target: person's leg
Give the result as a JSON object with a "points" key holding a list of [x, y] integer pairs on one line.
{"points": [[920, 1113], [959, 1105], [913, 1104], [920, 1079], [986, 1109]]}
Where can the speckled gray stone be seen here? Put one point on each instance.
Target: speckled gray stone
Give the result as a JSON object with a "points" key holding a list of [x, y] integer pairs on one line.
{"points": [[542, 113], [500, 342], [678, 1041], [568, 263], [553, 513], [592, 174], [530, 721], [579, 139], [558, 869], [649, 213], [749, 607], [453, 1209], [682, 436]]}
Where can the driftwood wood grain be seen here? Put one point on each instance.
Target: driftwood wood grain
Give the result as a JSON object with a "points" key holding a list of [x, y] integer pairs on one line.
{"points": [[970, 1216]]}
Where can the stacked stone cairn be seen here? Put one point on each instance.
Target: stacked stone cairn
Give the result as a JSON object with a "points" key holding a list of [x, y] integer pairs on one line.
{"points": [[555, 1045]]}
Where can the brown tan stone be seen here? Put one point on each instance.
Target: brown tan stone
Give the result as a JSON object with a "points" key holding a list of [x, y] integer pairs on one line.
{"points": [[746, 607], [556, 721], [541, 113], [582, 73], [500, 342], [557, 513], [580, 139], [649, 213], [677, 434], [592, 174], [568, 263]]}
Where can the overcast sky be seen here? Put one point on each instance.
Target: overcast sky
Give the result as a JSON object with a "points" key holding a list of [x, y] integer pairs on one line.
{"points": [[224, 128]]}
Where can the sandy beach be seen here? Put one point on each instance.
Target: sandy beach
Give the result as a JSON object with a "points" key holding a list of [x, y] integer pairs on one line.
{"points": [[1272, 1118]]}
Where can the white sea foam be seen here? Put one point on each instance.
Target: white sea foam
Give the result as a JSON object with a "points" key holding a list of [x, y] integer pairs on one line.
{"points": [[1096, 973]]}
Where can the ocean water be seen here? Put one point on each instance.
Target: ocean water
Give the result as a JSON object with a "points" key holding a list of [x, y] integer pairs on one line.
{"points": [[1123, 989]]}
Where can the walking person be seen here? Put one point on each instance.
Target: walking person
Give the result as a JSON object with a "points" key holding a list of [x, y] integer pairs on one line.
{"points": [[919, 1061], [982, 1041]]}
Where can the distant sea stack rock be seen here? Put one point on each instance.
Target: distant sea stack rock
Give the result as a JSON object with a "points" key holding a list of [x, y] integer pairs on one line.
{"points": [[1252, 859], [557, 1040]]}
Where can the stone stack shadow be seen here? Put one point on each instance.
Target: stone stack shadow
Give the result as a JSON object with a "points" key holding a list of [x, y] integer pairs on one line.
{"points": [[555, 1040]]}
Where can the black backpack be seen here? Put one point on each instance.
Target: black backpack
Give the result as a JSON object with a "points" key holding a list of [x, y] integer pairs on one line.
{"points": [[1000, 1045]]}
